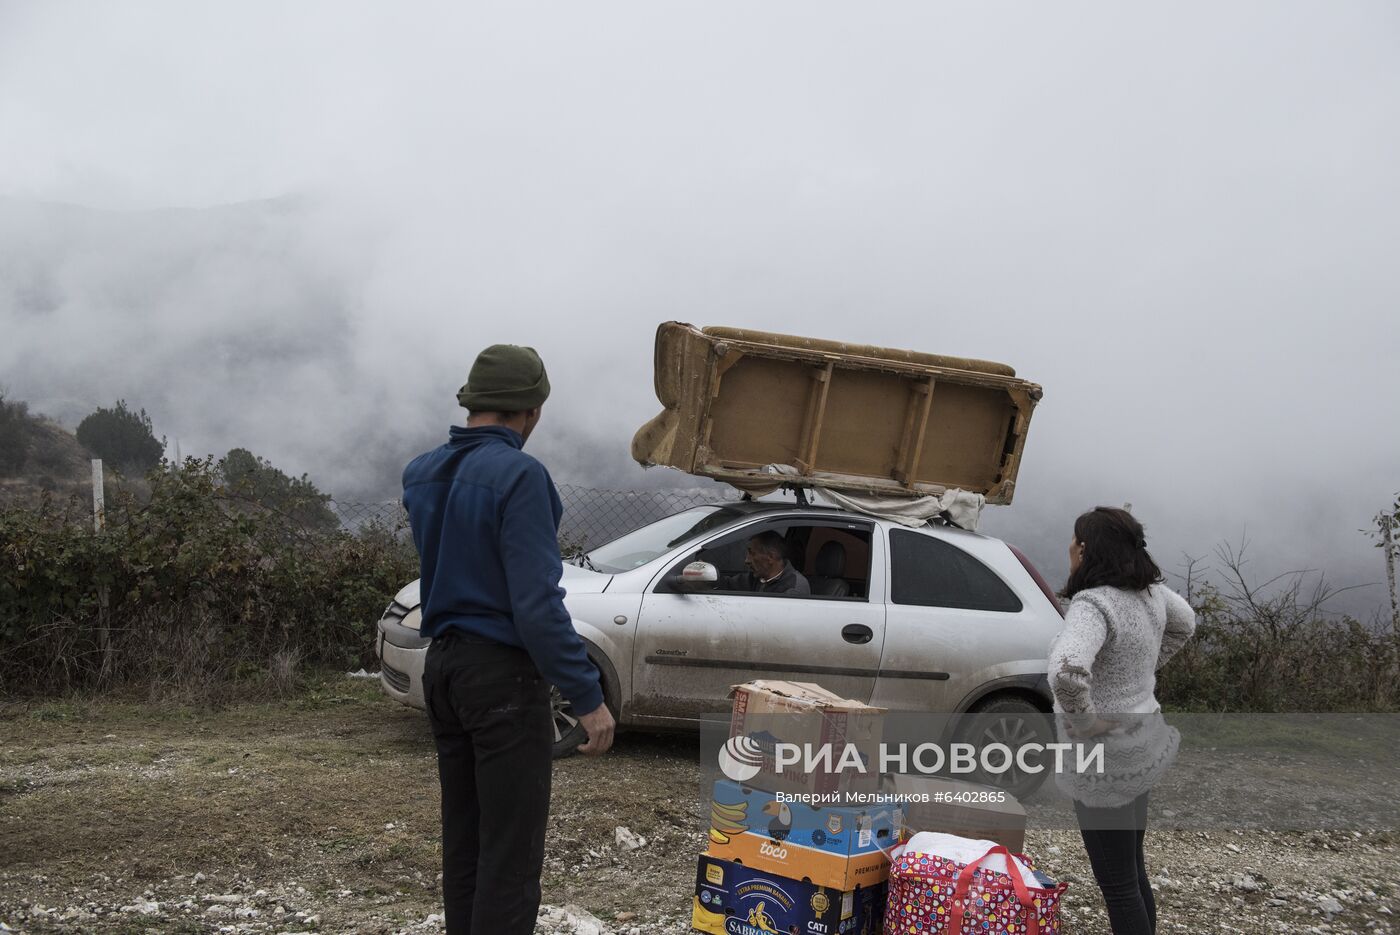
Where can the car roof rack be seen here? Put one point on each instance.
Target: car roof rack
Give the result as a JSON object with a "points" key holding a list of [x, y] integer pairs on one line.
{"points": [[748, 503]]}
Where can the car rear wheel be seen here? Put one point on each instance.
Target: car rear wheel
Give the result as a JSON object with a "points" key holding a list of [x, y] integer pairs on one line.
{"points": [[1013, 721]]}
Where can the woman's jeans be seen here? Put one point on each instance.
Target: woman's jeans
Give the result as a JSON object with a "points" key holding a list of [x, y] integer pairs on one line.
{"points": [[1113, 837]]}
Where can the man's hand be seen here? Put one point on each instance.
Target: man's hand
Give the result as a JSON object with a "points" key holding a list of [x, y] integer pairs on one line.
{"points": [[600, 726]]}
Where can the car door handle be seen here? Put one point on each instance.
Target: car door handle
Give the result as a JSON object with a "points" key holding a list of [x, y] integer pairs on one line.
{"points": [[857, 633]]}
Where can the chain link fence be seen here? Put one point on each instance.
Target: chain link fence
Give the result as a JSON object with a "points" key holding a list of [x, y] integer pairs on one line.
{"points": [[591, 516]]}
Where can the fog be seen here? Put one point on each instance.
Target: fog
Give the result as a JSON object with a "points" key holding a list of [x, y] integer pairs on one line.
{"points": [[291, 227]]}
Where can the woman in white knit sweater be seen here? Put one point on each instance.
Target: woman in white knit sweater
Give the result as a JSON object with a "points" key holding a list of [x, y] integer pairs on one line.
{"points": [[1122, 625]]}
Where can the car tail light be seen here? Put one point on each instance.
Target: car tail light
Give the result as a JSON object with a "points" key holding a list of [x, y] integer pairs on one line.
{"points": [[1039, 579]]}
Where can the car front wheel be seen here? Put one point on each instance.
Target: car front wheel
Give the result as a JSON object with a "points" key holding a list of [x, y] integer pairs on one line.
{"points": [[568, 732]]}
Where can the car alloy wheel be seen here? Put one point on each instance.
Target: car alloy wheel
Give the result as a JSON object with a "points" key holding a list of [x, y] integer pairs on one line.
{"points": [[568, 732], [1012, 722], [1012, 731]]}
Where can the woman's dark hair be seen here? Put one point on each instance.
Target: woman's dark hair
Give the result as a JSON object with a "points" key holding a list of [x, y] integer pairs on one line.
{"points": [[1115, 553]]}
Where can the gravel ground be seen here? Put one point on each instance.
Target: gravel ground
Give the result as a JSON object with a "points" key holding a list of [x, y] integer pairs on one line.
{"points": [[319, 814]]}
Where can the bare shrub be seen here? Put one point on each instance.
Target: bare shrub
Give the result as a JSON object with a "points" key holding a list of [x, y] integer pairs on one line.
{"points": [[282, 671], [1273, 645]]}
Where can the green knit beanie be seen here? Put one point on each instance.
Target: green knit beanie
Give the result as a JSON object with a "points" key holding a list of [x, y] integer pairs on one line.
{"points": [[505, 378]]}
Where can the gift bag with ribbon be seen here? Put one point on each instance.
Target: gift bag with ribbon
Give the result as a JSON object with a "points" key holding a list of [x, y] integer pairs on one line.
{"points": [[941, 884]]}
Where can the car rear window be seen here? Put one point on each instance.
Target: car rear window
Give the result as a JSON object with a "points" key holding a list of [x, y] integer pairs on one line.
{"points": [[929, 572]]}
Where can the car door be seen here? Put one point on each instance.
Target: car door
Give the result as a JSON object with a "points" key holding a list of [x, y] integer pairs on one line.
{"points": [[949, 620], [691, 648]]}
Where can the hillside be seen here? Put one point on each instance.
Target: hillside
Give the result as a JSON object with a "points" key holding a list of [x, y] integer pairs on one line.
{"points": [[55, 462]]}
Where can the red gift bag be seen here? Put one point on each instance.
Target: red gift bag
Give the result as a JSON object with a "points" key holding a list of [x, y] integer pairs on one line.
{"points": [[933, 895]]}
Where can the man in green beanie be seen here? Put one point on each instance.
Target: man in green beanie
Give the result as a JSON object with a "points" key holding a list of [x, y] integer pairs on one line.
{"points": [[485, 519]]}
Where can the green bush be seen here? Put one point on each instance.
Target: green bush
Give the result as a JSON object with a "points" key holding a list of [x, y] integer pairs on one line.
{"points": [[122, 438], [189, 589], [297, 498], [14, 436]]}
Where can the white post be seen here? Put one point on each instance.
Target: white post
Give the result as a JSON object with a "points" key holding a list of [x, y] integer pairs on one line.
{"points": [[99, 501]]}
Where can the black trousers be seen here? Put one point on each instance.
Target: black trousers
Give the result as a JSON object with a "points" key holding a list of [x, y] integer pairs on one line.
{"points": [[1113, 837], [490, 714]]}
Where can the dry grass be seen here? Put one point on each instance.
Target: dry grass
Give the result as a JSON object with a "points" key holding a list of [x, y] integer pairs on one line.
{"points": [[114, 798], [324, 805]]}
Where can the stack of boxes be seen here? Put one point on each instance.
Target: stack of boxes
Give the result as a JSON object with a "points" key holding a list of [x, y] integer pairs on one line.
{"points": [[789, 850]]}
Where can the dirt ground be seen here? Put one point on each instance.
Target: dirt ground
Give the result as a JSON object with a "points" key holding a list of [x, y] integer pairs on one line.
{"points": [[319, 814]]}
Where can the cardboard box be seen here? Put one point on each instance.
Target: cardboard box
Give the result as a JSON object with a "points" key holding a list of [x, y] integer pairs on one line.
{"points": [[731, 899], [966, 809], [802, 713], [838, 846]]}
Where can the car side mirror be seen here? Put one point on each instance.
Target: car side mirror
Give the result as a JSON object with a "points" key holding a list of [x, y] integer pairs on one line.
{"points": [[697, 576]]}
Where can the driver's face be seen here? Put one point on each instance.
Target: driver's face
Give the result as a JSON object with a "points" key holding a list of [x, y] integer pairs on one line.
{"points": [[758, 560]]}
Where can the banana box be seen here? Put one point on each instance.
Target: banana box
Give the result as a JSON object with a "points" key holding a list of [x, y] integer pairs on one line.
{"points": [[731, 899], [835, 846]]}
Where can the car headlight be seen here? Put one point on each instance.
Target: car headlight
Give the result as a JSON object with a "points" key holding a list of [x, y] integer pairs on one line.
{"points": [[403, 616]]}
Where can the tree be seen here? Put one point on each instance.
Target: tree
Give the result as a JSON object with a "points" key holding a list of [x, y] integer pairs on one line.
{"points": [[122, 438], [1387, 534], [14, 436], [295, 497]]}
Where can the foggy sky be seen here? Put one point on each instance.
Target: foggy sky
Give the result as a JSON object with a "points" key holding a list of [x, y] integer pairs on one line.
{"points": [[291, 227]]}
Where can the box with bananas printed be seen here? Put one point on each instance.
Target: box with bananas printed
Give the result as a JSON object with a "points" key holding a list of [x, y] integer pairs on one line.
{"points": [[732, 899], [830, 845]]}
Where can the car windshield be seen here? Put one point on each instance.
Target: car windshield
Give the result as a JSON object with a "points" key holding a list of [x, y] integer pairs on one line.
{"points": [[642, 545]]}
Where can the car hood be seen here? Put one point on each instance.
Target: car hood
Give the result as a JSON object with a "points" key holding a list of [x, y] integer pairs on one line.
{"points": [[575, 580], [578, 580]]}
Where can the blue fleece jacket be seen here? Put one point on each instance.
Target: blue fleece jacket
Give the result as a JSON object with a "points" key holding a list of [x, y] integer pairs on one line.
{"points": [[485, 518]]}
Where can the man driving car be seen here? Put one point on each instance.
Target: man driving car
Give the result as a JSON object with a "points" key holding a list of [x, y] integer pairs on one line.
{"points": [[769, 570]]}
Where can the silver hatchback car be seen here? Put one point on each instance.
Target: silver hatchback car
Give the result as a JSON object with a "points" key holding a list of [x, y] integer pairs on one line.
{"points": [[927, 619]]}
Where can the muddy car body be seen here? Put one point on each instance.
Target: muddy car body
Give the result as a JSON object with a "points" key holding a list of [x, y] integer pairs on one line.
{"points": [[931, 619]]}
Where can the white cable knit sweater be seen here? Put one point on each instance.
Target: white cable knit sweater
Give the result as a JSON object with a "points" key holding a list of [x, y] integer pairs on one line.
{"points": [[1104, 663], [1106, 658]]}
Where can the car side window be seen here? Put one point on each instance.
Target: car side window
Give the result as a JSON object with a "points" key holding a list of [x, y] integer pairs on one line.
{"points": [[833, 558], [929, 572]]}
